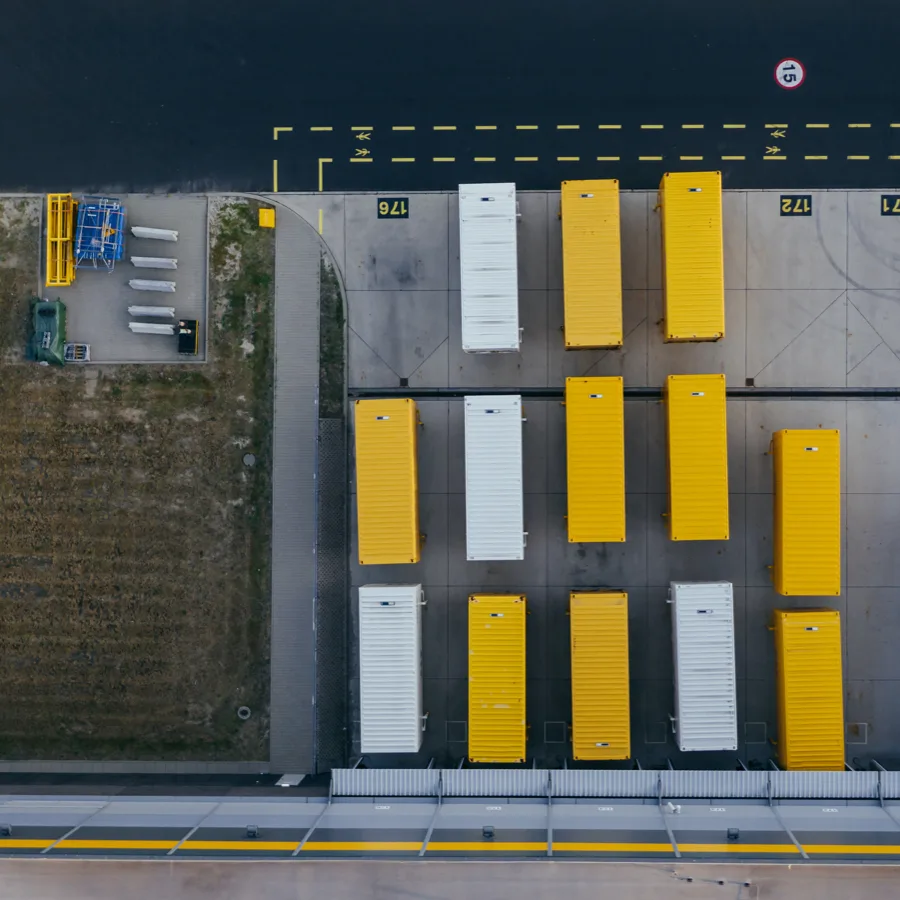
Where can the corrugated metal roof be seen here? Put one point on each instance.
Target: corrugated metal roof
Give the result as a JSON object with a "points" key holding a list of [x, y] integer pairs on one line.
{"points": [[595, 459], [601, 720], [807, 557], [835, 785], [592, 263], [705, 683], [489, 273], [384, 782], [390, 668], [698, 457], [600, 783], [693, 266], [387, 481], [494, 782], [810, 689], [713, 784], [497, 678], [495, 526]]}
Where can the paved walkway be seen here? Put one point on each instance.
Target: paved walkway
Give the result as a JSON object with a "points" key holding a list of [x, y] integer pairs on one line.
{"points": [[292, 710]]}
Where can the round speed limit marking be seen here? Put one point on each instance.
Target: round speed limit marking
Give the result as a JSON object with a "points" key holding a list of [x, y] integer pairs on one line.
{"points": [[790, 73]]}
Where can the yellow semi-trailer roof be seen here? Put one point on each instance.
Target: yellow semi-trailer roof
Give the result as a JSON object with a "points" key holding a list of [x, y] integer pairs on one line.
{"points": [[810, 689], [592, 263], [595, 459], [693, 264], [601, 722], [387, 481], [497, 678], [807, 467], [698, 457]]}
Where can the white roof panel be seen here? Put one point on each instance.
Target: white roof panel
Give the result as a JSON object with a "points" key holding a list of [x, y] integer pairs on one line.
{"points": [[488, 267], [703, 645], [494, 514], [390, 668]]}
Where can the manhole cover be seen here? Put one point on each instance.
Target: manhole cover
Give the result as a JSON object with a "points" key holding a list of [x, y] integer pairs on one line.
{"points": [[249, 460], [243, 713]]}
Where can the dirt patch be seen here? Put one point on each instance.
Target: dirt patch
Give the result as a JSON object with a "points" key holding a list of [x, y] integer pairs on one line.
{"points": [[134, 542], [331, 344]]}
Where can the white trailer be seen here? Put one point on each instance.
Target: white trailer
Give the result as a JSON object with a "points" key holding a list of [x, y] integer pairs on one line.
{"points": [[154, 234], [154, 262], [488, 268], [153, 312], [149, 284], [495, 527], [390, 668], [152, 328], [705, 684]]}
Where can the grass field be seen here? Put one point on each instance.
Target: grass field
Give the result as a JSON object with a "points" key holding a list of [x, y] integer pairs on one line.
{"points": [[134, 542]]}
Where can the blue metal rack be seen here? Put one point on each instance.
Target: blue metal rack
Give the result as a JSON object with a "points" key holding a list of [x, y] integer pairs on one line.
{"points": [[99, 233]]}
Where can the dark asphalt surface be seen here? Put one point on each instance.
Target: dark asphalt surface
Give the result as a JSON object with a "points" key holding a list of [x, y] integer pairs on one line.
{"points": [[175, 95]]}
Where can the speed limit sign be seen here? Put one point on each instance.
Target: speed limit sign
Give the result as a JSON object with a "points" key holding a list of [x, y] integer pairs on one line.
{"points": [[789, 74]]}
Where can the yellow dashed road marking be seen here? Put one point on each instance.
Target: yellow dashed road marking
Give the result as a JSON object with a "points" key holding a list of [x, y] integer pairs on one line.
{"points": [[691, 158], [649, 158], [857, 157], [568, 158], [526, 127], [443, 159], [403, 127], [859, 125], [403, 159], [445, 128], [485, 159], [321, 128], [485, 127], [894, 157], [567, 127], [776, 126], [817, 125], [740, 126], [526, 159], [275, 176], [604, 127], [362, 159], [734, 157], [608, 159], [774, 157], [322, 161], [362, 127], [815, 157], [653, 127], [692, 126]]}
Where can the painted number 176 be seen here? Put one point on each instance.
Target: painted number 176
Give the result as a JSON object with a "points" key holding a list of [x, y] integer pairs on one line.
{"points": [[393, 208]]}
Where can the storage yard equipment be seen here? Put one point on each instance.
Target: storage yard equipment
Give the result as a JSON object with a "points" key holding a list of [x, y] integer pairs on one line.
{"points": [[495, 526], [703, 648], [188, 336], [497, 678], [144, 284], [595, 459], [154, 234], [60, 236], [810, 689], [601, 722], [390, 668], [698, 457], [100, 233], [690, 206], [154, 262], [159, 312], [387, 481], [48, 342], [488, 267], [807, 466], [592, 263], [152, 328]]}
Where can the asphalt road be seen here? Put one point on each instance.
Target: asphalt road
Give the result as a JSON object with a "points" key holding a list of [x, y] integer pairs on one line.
{"points": [[179, 96], [111, 880]]}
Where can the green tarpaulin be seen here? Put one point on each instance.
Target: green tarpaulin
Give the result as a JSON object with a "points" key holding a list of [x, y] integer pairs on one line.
{"points": [[49, 320]]}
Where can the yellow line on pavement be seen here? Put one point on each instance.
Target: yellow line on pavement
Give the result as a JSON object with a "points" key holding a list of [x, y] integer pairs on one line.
{"points": [[403, 127], [240, 845], [894, 157], [24, 843], [567, 127], [485, 127], [115, 845], [691, 158], [608, 159], [444, 128], [526, 159], [485, 159], [568, 158], [731, 848], [649, 158], [321, 128], [774, 157], [655, 127], [895, 124], [734, 157], [860, 125], [361, 159], [879, 849], [403, 159], [526, 128], [322, 159], [280, 128], [817, 125], [481, 846], [734, 126], [604, 127], [692, 126], [857, 157], [362, 127], [320, 221], [776, 126], [443, 159], [815, 157], [275, 176], [363, 845]]}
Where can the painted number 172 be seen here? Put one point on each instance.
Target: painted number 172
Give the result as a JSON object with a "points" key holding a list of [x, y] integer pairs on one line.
{"points": [[796, 205]]}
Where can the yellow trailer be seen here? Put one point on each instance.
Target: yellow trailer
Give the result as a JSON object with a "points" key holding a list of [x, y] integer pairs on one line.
{"points": [[810, 689], [601, 722], [690, 205], [592, 263], [807, 466], [497, 678], [698, 457], [60, 236], [387, 482], [595, 459]]}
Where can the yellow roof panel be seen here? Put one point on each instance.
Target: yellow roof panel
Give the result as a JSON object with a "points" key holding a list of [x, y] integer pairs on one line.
{"points": [[497, 678], [698, 458], [595, 459], [693, 261], [810, 689], [601, 722], [807, 512], [387, 488], [592, 263]]}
